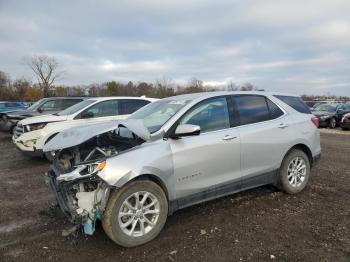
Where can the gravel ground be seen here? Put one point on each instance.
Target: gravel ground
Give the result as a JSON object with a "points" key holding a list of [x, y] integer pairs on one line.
{"points": [[261, 224]]}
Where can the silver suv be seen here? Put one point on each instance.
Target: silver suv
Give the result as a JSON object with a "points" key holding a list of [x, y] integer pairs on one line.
{"points": [[178, 152]]}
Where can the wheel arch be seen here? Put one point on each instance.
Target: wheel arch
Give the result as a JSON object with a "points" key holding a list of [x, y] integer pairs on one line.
{"points": [[155, 179], [304, 148], [152, 178]]}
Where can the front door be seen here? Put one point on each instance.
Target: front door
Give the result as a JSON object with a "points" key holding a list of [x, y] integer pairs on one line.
{"points": [[207, 165]]}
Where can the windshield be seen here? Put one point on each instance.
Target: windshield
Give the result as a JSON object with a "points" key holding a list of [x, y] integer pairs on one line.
{"points": [[35, 106], [156, 114], [76, 108], [326, 107]]}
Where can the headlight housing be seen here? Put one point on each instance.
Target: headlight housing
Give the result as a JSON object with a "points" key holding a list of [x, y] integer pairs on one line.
{"points": [[91, 168], [83, 170], [36, 126]]}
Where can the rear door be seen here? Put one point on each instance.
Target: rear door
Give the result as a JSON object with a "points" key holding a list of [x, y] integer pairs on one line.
{"points": [[264, 131], [207, 165]]}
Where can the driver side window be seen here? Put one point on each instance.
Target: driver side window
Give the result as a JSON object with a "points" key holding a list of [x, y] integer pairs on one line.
{"points": [[210, 115]]}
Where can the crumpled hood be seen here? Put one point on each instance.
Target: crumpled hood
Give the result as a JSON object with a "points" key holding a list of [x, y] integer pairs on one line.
{"points": [[43, 119], [77, 135]]}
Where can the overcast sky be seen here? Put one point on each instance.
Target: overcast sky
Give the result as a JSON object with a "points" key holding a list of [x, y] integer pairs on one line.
{"points": [[298, 46]]}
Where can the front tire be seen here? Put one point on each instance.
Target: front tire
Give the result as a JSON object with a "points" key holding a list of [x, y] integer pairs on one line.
{"points": [[136, 213], [332, 123], [294, 173]]}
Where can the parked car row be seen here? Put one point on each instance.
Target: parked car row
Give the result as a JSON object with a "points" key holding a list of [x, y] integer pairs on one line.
{"points": [[133, 171], [45, 106], [331, 114], [31, 134]]}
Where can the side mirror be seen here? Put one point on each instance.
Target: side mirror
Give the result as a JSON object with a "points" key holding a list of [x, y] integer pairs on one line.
{"points": [[187, 130], [39, 110], [87, 115]]}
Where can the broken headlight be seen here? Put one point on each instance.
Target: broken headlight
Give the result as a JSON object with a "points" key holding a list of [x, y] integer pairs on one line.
{"points": [[92, 168], [83, 170]]}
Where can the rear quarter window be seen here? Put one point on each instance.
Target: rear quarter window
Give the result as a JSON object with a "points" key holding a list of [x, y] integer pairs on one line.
{"points": [[275, 111], [296, 103]]}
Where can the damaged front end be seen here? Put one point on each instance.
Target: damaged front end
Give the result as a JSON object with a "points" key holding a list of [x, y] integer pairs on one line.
{"points": [[81, 194], [82, 200]]}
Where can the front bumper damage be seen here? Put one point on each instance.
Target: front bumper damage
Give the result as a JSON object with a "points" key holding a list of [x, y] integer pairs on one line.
{"points": [[81, 200]]}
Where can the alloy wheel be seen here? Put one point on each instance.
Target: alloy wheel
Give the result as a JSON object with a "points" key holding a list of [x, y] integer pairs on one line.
{"points": [[139, 214], [296, 171]]}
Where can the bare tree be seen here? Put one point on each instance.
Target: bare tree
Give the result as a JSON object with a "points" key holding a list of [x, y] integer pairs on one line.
{"points": [[232, 86], [46, 71], [247, 87]]}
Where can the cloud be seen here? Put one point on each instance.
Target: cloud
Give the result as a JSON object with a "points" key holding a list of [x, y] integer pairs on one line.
{"points": [[294, 46]]}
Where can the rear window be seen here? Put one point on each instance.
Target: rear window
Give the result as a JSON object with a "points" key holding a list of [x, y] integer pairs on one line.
{"points": [[296, 103]]}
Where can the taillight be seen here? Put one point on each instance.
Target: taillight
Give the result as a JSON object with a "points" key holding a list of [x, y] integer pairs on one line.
{"points": [[315, 121]]}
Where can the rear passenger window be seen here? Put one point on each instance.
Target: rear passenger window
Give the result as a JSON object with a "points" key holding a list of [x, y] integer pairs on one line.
{"points": [[296, 103], [275, 111], [251, 109], [129, 106]]}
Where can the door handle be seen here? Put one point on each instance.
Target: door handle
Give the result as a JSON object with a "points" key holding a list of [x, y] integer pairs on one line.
{"points": [[228, 137], [282, 125]]}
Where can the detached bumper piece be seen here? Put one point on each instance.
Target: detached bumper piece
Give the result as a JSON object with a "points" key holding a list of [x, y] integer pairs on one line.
{"points": [[82, 201]]}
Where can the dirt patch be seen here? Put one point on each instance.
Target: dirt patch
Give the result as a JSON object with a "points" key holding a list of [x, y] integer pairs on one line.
{"points": [[258, 225], [337, 131]]}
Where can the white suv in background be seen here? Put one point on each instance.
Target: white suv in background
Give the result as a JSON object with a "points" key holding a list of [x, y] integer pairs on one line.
{"points": [[31, 134]]}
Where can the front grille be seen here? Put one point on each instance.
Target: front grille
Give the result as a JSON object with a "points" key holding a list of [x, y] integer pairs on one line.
{"points": [[18, 131]]}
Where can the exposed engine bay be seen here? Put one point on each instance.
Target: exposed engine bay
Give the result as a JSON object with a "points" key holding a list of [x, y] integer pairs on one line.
{"points": [[95, 149], [80, 193]]}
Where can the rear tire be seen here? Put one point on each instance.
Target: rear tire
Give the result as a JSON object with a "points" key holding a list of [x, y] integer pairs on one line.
{"points": [[294, 172], [129, 222]]}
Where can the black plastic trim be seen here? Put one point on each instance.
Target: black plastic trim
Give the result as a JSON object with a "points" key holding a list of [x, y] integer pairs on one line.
{"points": [[224, 190]]}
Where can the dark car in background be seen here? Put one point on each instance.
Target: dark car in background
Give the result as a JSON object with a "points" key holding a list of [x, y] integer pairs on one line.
{"points": [[345, 122], [331, 114], [45, 106], [12, 106], [311, 104]]}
